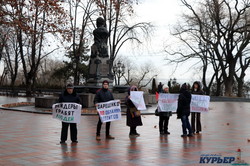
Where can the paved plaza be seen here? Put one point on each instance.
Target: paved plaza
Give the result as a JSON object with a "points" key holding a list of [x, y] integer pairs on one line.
{"points": [[28, 139]]}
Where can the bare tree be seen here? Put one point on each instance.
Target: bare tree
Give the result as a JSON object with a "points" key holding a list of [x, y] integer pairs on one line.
{"points": [[115, 13], [12, 57], [80, 32], [223, 25], [32, 20], [146, 74]]}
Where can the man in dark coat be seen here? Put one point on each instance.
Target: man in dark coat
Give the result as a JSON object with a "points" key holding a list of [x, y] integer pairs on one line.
{"points": [[183, 110], [196, 116], [69, 96], [103, 95]]}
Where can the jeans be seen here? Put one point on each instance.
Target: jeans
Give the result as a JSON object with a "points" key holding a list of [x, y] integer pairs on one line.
{"points": [[186, 125]]}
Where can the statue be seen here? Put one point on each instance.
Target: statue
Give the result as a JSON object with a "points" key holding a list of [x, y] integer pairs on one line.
{"points": [[99, 64], [100, 48]]}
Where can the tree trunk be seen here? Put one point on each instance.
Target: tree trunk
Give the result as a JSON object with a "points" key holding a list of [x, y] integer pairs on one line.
{"points": [[28, 88], [228, 87], [240, 88]]}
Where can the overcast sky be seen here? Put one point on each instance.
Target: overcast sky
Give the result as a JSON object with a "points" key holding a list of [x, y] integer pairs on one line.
{"points": [[163, 14]]}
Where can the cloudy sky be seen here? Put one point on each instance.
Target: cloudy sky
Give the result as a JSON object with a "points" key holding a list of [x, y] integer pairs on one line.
{"points": [[163, 14]]}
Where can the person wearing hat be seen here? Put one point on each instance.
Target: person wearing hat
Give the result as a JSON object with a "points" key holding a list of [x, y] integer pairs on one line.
{"points": [[69, 96], [183, 110], [164, 116], [103, 95]]}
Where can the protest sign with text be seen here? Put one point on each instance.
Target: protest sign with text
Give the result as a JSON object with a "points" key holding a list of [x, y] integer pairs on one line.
{"points": [[67, 112], [137, 98], [109, 111], [167, 102], [200, 103]]}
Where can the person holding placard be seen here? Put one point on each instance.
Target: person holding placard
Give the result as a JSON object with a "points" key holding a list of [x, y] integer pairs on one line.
{"points": [[164, 116], [196, 116], [69, 96], [183, 110], [133, 115], [103, 95]]}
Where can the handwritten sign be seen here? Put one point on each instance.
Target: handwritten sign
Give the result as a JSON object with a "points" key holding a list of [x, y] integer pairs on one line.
{"points": [[137, 98], [167, 102], [67, 112], [109, 111], [200, 103]]}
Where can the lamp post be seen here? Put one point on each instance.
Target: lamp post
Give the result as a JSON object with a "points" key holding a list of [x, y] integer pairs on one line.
{"points": [[119, 70]]}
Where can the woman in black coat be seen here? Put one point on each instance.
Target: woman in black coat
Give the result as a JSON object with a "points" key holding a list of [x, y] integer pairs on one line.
{"points": [[183, 110], [69, 96], [133, 119], [196, 116]]}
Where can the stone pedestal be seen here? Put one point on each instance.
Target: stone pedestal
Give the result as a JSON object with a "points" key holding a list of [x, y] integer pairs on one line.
{"points": [[45, 102], [99, 70]]}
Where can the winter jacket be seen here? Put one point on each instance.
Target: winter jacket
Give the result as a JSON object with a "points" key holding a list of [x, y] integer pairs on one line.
{"points": [[132, 121], [103, 95], [199, 90], [68, 98], [184, 101]]}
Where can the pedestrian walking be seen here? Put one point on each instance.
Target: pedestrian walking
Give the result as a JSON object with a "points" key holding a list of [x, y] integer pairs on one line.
{"points": [[69, 96], [196, 116], [133, 115], [103, 95], [164, 116], [183, 110]]}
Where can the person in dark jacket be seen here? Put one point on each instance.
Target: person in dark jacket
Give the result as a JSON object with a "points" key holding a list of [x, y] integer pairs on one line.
{"points": [[69, 96], [103, 95], [183, 110], [164, 117], [133, 120], [196, 116], [160, 87]]}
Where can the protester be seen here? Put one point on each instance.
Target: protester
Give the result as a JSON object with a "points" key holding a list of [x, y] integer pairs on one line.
{"points": [[69, 96], [133, 115], [164, 116], [196, 116], [183, 110], [103, 95]]}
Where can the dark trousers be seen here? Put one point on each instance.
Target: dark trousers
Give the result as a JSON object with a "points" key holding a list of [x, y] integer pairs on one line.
{"points": [[196, 121], [186, 125], [163, 124], [73, 131], [99, 126], [132, 130]]}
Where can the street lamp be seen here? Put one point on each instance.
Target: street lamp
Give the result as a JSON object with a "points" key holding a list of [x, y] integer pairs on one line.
{"points": [[119, 70]]}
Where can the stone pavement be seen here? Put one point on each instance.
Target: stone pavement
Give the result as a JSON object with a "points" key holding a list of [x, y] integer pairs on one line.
{"points": [[28, 139]]}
